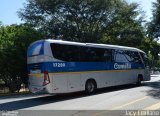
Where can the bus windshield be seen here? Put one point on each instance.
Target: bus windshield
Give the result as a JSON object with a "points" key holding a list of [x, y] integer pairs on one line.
{"points": [[145, 59]]}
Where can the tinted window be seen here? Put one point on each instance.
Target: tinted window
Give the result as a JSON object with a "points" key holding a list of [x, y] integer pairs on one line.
{"points": [[133, 56], [97, 54], [120, 56], [81, 53], [108, 55], [65, 52], [145, 59], [35, 49], [127, 56]]}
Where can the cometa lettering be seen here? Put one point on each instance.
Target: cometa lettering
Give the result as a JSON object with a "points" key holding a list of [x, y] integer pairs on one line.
{"points": [[122, 66]]}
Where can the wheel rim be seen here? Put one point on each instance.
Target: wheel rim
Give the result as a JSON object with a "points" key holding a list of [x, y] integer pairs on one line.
{"points": [[90, 87]]}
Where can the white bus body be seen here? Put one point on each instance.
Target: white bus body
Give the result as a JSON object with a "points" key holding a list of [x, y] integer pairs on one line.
{"points": [[57, 66]]}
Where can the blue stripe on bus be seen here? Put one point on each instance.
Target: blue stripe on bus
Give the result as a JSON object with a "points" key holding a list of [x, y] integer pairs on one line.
{"points": [[54, 67]]}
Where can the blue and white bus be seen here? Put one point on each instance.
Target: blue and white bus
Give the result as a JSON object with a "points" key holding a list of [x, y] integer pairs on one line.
{"points": [[57, 66]]}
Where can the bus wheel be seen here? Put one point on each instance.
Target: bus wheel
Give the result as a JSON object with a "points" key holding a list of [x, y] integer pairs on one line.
{"points": [[90, 86], [139, 81]]}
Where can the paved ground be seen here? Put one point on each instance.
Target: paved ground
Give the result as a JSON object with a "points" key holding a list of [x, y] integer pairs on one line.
{"points": [[124, 98]]}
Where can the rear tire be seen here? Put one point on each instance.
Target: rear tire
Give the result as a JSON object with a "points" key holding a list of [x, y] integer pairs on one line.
{"points": [[90, 87], [139, 81]]}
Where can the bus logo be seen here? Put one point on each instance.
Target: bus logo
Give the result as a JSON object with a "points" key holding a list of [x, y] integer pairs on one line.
{"points": [[122, 66]]}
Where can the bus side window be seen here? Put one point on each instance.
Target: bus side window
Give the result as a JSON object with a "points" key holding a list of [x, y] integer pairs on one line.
{"points": [[137, 58], [99, 52], [133, 57], [81, 54], [119, 56], [108, 55], [72, 53]]}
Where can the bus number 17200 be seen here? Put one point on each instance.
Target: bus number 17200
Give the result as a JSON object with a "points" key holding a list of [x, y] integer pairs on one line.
{"points": [[59, 65]]}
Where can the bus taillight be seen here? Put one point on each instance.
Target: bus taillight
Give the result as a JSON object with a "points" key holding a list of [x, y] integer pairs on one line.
{"points": [[46, 78]]}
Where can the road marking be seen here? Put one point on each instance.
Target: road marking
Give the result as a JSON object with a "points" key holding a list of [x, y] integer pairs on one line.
{"points": [[116, 108], [153, 107], [132, 102]]}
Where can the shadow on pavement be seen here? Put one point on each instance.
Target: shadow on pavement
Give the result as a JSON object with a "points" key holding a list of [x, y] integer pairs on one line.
{"points": [[155, 89], [31, 102]]}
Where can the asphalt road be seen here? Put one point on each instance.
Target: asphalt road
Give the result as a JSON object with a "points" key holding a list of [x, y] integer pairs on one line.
{"points": [[120, 100]]}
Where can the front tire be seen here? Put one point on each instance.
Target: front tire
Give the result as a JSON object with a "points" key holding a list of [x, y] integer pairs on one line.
{"points": [[90, 87]]}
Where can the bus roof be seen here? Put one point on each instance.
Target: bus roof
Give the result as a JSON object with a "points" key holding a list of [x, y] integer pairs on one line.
{"points": [[94, 45]]}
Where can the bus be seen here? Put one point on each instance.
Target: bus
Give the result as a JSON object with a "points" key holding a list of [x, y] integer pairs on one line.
{"points": [[57, 66]]}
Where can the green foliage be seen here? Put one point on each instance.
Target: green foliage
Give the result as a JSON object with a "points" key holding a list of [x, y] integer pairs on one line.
{"points": [[158, 64], [14, 41], [153, 30], [1, 82], [99, 21], [154, 25], [126, 28]]}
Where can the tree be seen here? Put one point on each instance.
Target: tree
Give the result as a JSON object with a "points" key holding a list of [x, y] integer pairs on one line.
{"points": [[100, 21], [154, 25], [126, 29], [153, 31], [14, 41]]}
